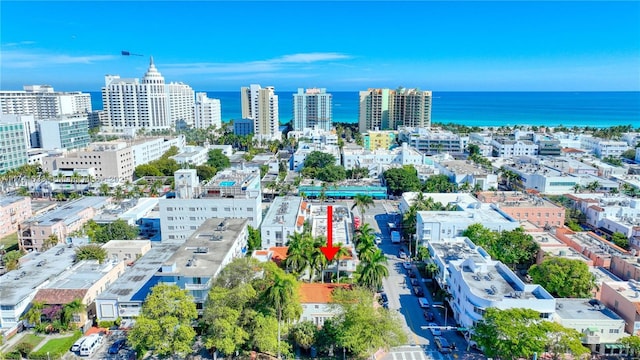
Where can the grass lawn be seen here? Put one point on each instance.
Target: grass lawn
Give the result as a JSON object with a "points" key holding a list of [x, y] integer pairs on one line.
{"points": [[32, 339], [10, 242], [59, 345]]}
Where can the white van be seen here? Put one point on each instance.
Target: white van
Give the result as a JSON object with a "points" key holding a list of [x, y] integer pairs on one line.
{"points": [[90, 345], [76, 346]]}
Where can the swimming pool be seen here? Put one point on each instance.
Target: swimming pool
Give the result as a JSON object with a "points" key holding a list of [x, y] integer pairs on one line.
{"points": [[227, 183]]}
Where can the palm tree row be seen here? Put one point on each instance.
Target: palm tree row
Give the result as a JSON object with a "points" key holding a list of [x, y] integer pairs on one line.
{"points": [[304, 256], [372, 268]]}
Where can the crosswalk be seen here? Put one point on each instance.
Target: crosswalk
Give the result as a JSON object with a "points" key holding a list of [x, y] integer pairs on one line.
{"points": [[412, 353]]}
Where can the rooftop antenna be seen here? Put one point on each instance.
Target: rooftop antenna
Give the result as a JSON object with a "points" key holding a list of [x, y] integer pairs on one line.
{"points": [[127, 53]]}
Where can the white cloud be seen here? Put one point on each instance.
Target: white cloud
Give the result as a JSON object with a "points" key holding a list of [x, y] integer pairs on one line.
{"points": [[258, 66], [22, 59]]}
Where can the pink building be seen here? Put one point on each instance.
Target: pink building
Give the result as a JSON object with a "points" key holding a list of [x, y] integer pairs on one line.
{"points": [[60, 222], [13, 211], [623, 297], [526, 207]]}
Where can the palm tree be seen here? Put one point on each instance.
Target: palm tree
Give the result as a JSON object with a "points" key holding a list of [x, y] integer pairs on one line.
{"points": [[431, 269], [281, 292], [343, 252], [50, 242], [371, 272], [298, 253], [34, 315], [104, 189], [593, 186], [363, 202], [577, 188], [70, 309], [317, 259]]}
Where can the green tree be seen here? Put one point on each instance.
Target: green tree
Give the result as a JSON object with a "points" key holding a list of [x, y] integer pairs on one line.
{"points": [[562, 340], [165, 322], [11, 259], [282, 292], [117, 230], [254, 240], [205, 172], [223, 317], [370, 272], [513, 247], [68, 310], [629, 154], [34, 314], [361, 327], [91, 252], [264, 336], [319, 160], [218, 159], [362, 202], [401, 180], [632, 343], [620, 239], [509, 334], [438, 184], [304, 334], [239, 271], [144, 170], [51, 241], [331, 173], [564, 277]]}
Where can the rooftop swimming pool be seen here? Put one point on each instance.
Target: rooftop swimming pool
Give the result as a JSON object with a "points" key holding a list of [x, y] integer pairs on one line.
{"points": [[227, 183]]}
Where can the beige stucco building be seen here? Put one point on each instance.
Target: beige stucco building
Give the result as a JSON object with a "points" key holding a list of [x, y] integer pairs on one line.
{"points": [[127, 250], [623, 297], [13, 211]]}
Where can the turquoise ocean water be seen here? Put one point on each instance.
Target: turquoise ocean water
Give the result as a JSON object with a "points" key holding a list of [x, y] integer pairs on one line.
{"points": [[595, 109]]}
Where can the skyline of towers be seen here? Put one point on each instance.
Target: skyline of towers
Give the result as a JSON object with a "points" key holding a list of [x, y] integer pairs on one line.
{"points": [[43, 102], [312, 109], [386, 109], [261, 105]]}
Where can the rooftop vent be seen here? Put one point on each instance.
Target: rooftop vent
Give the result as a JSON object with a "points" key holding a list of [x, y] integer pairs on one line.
{"points": [[201, 250]]}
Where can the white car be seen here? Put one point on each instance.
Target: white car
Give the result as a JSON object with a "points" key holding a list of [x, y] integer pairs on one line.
{"points": [[378, 240], [435, 331]]}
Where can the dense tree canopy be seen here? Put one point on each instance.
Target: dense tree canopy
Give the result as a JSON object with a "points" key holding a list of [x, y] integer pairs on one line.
{"points": [[513, 247], [438, 184], [91, 252], [564, 277], [319, 159], [218, 160], [331, 173], [117, 230], [165, 322], [518, 333], [400, 180]]}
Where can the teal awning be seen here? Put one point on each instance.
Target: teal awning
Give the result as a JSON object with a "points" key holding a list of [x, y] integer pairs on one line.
{"points": [[594, 329]]}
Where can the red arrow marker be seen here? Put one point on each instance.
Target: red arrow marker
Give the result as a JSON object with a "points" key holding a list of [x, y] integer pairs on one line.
{"points": [[329, 250]]}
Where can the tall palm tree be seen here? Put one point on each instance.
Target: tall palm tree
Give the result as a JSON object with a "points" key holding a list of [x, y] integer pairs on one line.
{"points": [[298, 253], [70, 309], [104, 189], [343, 252], [34, 315], [371, 272], [317, 260], [365, 231], [281, 292], [363, 202]]}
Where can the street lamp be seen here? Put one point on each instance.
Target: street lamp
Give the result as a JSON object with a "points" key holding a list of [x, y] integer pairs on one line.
{"points": [[446, 312]]}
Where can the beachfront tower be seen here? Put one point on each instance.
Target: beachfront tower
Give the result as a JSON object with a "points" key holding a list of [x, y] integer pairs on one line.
{"points": [[261, 106], [385, 109], [312, 109]]}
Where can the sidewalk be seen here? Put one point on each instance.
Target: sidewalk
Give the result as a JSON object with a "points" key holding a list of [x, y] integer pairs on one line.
{"points": [[12, 341]]}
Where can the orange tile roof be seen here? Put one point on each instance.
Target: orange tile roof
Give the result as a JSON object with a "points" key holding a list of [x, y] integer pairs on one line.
{"points": [[318, 293], [261, 252], [571, 150], [279, 253], [596, 208], [59, 296], [300, 221], [304, 205]]}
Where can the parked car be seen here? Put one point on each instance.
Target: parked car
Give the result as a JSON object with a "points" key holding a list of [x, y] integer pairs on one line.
{"points": [[402, 254], [428, 315], [378, 240], [418, 291], [434, 329], [415, 282], [424, 302], [116, 346]]}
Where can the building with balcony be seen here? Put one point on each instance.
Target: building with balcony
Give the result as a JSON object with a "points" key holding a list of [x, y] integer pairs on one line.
{"points": [[43, 102], [232, 193], [385, 109], [192, 156], [285, 217], [195, 265], [261, 105], [431, 142], [476, 283], [506, 148], [314, 136], [208, 112], [18, 287], [374, 140], [243, 127], [312, 109], [60, 222], [13, 211]]}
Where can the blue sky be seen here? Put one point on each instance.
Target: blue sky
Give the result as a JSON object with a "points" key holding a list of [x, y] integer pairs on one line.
{"points": [[215, 45]]}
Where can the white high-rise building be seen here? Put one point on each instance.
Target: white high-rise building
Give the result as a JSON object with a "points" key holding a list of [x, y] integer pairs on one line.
{"points": [[44, 103], [129, 103], [208, 112], [312, 109], [181, 104], [261, 106]]}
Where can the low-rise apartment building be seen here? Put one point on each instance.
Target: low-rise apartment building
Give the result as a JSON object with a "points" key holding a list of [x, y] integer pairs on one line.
{"points": [[377, 161], [13, 211], [526, 207], [383, 139], [623, 298], [430, 141], [127, 251], [232, 193], [70, 217], [316, 301], [506, 148], [304, 149], [285, 217], [466, 171]]}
